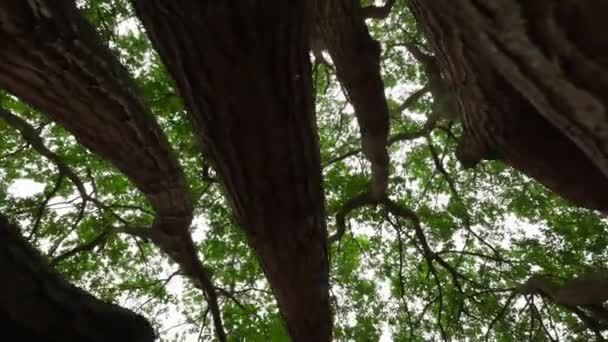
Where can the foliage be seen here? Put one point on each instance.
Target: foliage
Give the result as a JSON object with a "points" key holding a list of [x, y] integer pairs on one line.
{"points": [[491, 226]]}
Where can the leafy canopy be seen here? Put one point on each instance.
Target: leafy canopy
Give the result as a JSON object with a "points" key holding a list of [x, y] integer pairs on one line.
{"points": [[490, 228]]}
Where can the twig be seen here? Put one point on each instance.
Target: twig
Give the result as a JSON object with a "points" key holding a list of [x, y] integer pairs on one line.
{"points": [[352, 204], [43, 205]]}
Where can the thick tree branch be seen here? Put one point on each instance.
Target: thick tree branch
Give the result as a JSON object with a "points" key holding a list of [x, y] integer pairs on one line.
{"points": [[356, 56], [398, 137], [100, 104], [587, 292], [517, 104], [36, 304]]}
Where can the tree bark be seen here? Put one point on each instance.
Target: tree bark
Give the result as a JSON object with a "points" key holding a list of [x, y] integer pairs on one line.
{"points": [[532, 83], [244, 71], [36, 304], [341, 27], [52, 58]]}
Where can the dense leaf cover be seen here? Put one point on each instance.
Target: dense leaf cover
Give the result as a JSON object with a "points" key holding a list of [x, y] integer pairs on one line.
{"points": [[455, 276]]}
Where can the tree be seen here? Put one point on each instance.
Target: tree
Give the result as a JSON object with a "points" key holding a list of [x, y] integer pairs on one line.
{"points": [[531, 88], [43, 306], [430, 250]]}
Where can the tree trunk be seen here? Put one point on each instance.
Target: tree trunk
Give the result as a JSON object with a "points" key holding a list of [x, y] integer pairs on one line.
{"points": [[36, 304], [532, 83], [244, 71]]}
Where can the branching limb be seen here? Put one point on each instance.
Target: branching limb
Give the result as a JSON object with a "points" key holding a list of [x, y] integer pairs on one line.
{"points": [[577, 295], [356, 56], [401, 280], [405, 136], [87, 247], [352, 204], [179, 247], [32, 137], [540, 319], [452, 186], [500, 314], [163, 283]]}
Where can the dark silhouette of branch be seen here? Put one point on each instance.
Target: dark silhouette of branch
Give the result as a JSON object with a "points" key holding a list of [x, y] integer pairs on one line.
{"points": [[42, 207], [400, 273], [413, 98], [378, 12], [539, 317], [452, 186], [163, 283], [12, 154], [432, 258], [31, 136], [350, 205], [87, 247], [480, 255], [500, 314]]}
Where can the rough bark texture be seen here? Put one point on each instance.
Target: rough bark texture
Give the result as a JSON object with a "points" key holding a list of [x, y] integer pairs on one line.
{"points": [[244, 71], [356, 55], [531, 79], [36, 304], [52, 59]]}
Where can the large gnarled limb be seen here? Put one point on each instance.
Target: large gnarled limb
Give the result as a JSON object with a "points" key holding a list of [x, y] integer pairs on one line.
{"points": [[356, 56], [52, 59], [37, 304], [243, 68], [531, 79]]}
